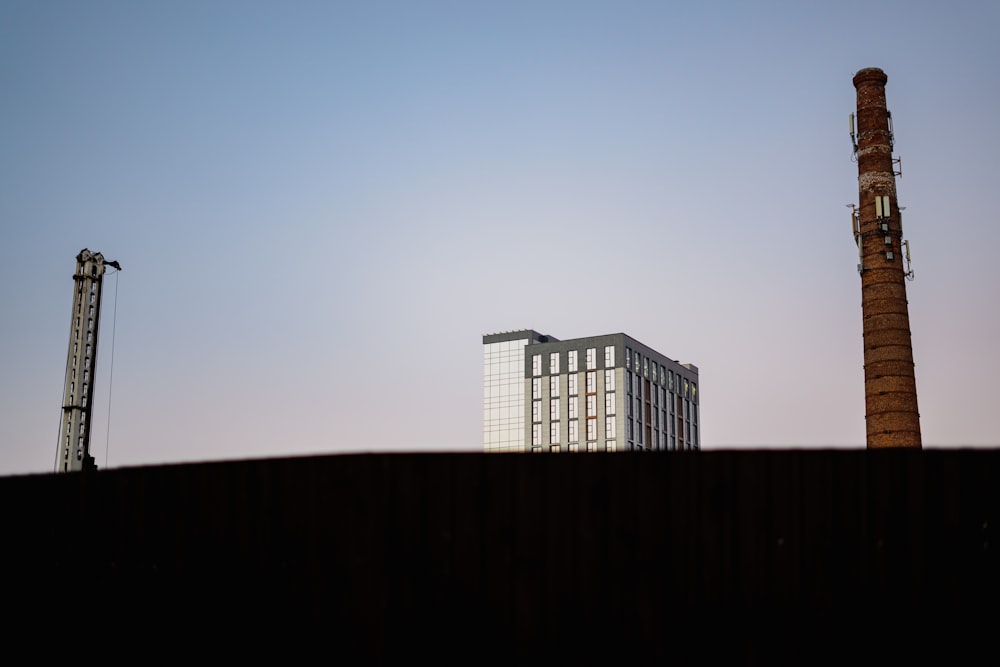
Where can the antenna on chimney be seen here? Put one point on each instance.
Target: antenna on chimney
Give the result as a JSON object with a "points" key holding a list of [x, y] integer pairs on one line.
{"points": [[854, 142], [855, 223], [909, 271], [856, 230], [906, 244]]}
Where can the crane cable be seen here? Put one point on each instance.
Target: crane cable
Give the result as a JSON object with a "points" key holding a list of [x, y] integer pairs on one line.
{"points": [[111, 369]]}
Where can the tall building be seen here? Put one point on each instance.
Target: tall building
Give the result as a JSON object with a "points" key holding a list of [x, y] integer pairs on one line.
{"points": [[598, 394]]}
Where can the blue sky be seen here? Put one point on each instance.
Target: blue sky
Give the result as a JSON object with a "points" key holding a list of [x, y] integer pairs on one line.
{"points": [[321, 207]]}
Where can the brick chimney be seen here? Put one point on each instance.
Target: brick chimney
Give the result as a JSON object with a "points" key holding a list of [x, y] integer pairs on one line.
{"points": [[891, 415]]}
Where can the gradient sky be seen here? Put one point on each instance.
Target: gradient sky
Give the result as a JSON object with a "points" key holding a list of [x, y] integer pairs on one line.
{"points": [[321, 207]]}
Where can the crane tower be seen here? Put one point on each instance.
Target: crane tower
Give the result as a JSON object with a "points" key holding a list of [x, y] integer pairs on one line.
{"points": [[891, 415], [81, 363]]}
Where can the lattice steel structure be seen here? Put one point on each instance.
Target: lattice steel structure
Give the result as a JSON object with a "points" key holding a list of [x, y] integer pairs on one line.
{"points": [[81, 363]]}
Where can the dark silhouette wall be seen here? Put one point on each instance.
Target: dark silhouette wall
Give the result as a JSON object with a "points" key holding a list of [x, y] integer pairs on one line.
{"points": [[762, 557]]}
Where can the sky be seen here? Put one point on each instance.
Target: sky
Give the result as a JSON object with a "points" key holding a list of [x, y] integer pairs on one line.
{"points": [[320, 208]]}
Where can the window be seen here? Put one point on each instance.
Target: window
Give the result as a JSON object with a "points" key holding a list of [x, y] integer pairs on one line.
{"points": [[609, 356], [571, 384], [645, 367], [571, 361], [609, 426], [554, 449], [554, 409], [536, 388], [553, 433], [591, 382], [609, 380], [637, 362], [536, 435], [610, 446], [574, 434], [591, 358], [554, 363], [574, 447], [554, 386], [592, 405], [573, 403], [591, 429], [628, 358], [609, 403], [536, 411], [536, 364]]}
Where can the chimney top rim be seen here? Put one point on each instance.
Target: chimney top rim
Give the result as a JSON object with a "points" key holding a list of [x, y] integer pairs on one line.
{"points": [[870, 74]]}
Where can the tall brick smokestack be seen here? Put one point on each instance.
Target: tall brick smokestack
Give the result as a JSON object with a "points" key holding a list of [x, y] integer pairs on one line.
{"points": [[891, 415]]}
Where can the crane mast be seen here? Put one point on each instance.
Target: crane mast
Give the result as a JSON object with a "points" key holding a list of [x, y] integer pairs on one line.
{"points": [[81, 363]]}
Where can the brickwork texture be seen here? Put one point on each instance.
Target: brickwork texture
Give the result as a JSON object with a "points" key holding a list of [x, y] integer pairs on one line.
{"points": [[891, 414]]}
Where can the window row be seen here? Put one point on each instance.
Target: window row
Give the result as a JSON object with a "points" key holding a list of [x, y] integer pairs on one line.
{"points": [[685, 388], [572, 362], [649, 369], [571, 407], [609, 446], [573, 431], [572, 389]]}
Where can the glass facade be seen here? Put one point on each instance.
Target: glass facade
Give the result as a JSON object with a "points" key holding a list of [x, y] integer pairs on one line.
{"points": [[503, 396]]}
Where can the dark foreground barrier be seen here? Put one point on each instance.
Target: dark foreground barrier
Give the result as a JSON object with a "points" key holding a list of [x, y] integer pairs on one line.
{"points": [[747, 557]]}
